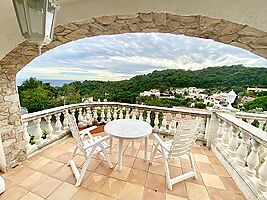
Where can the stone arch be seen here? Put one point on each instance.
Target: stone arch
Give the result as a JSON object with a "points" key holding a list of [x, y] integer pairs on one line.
{"points": [[243, 36]]}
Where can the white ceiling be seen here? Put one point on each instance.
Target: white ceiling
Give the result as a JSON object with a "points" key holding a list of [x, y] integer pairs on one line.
{"points": [[253, 13]]}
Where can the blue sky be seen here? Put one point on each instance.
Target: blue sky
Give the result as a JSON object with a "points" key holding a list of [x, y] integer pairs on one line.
{"points": [[118, 57]]}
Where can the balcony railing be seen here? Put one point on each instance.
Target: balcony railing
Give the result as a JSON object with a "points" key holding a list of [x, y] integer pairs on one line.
{"points": [[54, 124], [260, 120], [242, 148]]}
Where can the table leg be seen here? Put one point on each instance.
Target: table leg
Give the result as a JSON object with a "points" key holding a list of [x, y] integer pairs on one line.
{"points": [[120, 153], [146, 143]]}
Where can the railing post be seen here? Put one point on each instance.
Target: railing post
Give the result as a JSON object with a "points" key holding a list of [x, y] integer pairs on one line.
{"points": [[95, 115], [141, 115], [164, 122], [242, 150], [58, 124], [261, 123], [65, 121], [121, 113], [88, 116], [134, 111], [226, 136], [220, 129], [108, 114], [115, 113], [26, 136], [212, 128], [127, 115], [80, 117], [233, 143], [253, 159], [49, 127], [262, 181], [38, 131], [102, 115], [156, 121], [148, 120]]}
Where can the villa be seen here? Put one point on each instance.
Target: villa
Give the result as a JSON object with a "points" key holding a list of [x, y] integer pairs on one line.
{"points": [[230, 154]]}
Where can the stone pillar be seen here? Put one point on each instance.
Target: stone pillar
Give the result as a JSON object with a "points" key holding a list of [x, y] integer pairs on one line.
{"points": [[11, 128], [212, 127]]}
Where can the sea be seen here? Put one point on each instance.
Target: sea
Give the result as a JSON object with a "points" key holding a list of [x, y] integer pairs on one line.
{"points": [[52, 82]]}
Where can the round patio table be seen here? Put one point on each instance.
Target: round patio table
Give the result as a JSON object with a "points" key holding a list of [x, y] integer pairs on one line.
{"points": [[128, 129]]}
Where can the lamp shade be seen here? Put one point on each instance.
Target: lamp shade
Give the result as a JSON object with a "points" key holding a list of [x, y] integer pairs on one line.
{"points": [[36, 19], [231, 97]]}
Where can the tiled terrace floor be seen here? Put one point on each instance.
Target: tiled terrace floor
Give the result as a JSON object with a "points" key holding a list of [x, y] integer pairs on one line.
{"points": [[46, 176]]}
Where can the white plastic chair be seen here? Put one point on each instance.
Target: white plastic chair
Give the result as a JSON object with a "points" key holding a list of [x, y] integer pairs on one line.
{"points": [[88, 147], [181, 144]]}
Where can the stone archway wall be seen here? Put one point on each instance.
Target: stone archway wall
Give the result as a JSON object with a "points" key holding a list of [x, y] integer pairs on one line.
{"points": [[220, 30]]}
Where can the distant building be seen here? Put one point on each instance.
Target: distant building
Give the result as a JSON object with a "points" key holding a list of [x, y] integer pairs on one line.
{"points": [[88, 100], [153, 92], [257, 89]]}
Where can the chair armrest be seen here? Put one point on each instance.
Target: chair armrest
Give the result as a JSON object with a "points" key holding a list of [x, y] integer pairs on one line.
{"points": [[87, 131], [160, 142]]}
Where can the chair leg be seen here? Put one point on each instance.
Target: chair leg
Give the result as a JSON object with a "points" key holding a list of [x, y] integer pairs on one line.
{"points": [[72, 156], [193, 164], [85, 165], [166, 169], [153, 153], [110, 143], [106, 155]]}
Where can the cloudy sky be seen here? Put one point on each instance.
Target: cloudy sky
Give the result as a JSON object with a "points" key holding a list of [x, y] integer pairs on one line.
{"points": [[123, 56]]}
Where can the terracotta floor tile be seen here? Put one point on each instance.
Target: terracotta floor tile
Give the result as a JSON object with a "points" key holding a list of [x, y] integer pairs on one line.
{"points": [[112, 187], [104, 169], [214, 160], [33, 180], [64, 191], [19, 174], [130, 152], [201, 158], [141, 154], [156, 182], [153, 194], [103, 197], [64, 158], [178, 189], [39, 163], [8, 183], [72, 180], [172, 197], [197, 150], [196, 192], [205, 168], [185, 163], [140, 164], [127, 161], [63, 173], [230, 185], [113, 157], [95, 182], [84, 194], [156, 168], [217, 194], [13, 193], [31, 196], [212, 181], [220, 170], [94, 163], [196, 181], [53, 153], [51, 168], [239, 197], [50, 184], [132, 192], [174, 171], [137, 177], [207, 152], [175, 162], [122, 175]]}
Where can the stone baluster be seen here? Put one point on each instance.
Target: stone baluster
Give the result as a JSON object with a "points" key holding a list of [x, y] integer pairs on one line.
{"points": [[49, 127], [250, 121], [220, 129], [262, 181], [134, 113], [115, 113], [233, 143], [73, 113], [88, 116], [27, 137], [148, 120], [261, 124], [141, 118], [173, 122], [253, 159], [226, 136], [102, 115], [80, 117], [121, 113], [38, 132], [95, 115], [84, 117], [127, 115], [242, 150], [108, 114], [58, 124], [164, 123], [65, 121], [156, 121]]}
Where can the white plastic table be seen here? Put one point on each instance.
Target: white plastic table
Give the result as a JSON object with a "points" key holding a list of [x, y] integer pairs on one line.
{"points": [[128, 129]]}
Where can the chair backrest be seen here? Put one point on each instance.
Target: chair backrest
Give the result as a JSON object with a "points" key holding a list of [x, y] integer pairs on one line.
{"points": [[184, 137], [75, 131]]}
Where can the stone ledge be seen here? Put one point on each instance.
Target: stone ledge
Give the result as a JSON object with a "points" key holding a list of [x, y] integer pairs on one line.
{"points": [[246, 185]]}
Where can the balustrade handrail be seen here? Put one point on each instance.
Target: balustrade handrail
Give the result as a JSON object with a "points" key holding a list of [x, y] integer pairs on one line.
{"points": [[251, 115], [31, 116], [256, 133]]}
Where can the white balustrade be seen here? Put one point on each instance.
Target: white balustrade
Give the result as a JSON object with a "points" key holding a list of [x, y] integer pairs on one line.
{"points": [[38, 132], [26, 136], [80, 117], [262, 181], [156, 121], [220, 130], [58, 124], [108, 114], [127, 115], [134, 113], [253, 159], [226, 135], [115, 113], [95, 115], [88, 116], [233, 143], [102, 115], [49, 127], [242, 150], [164, 122], [65, 121], [148, 120], [121, 113], [141, 112]]}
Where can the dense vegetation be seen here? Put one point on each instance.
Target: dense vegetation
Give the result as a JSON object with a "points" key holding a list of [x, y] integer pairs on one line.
{"points": [[35, 95]]}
